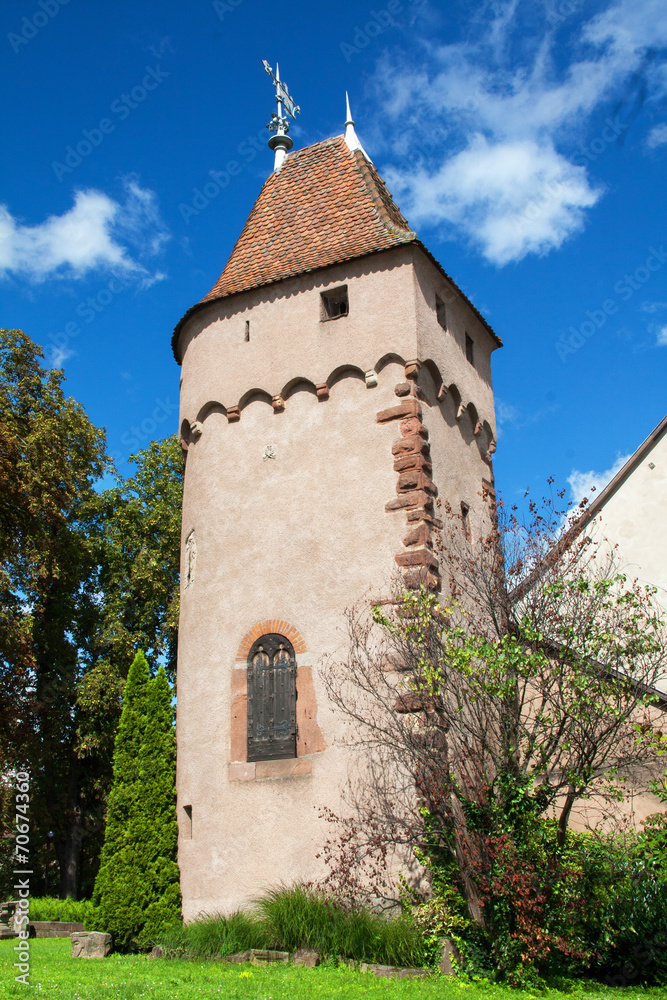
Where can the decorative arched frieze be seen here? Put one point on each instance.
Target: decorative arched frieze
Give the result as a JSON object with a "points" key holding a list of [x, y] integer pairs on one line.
{"points": [[474, 419], [433, 371], [412, 370], [389, 359], [345, 371], [213, 406], [254, 396], [299, 384]]}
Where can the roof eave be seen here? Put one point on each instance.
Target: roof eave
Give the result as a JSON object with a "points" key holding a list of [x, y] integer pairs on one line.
{"points": [[198, 306], [460, 291], [402, 240], [627, 469]]}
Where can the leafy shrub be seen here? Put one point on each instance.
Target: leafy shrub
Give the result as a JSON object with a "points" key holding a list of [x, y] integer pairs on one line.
{"points": [[633, 905], [595, 906], [74, 911]]}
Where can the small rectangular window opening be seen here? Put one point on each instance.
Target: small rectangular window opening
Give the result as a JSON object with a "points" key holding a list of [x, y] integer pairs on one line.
{"points": [[334, 303], [470, 350], [441, 312], [247, 330], [187, 823], [465, 519]]}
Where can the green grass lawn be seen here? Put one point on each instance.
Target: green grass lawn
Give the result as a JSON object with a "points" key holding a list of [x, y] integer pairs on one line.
{"points": [[125, 977]]}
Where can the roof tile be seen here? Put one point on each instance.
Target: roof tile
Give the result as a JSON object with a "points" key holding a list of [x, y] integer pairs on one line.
{"points": [[328, 204]]}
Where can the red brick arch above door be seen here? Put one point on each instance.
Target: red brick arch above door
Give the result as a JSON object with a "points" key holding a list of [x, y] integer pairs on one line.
{"points": [[275, 625]]}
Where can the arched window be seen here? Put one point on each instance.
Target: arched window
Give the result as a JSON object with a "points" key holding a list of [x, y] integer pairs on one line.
{"points": [[271, 699]]}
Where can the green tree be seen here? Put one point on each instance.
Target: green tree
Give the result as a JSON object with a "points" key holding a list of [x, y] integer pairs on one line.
{"points": [[86, 578], [137, 888], [528, 688], [50, 457], [140, 536], [137, 544]]}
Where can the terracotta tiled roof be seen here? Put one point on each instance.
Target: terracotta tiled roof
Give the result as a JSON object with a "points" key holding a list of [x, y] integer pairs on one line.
{"points": [[328, 204]]}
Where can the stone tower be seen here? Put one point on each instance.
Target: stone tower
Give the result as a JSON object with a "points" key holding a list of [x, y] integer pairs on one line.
{"points": [[335, 383]]}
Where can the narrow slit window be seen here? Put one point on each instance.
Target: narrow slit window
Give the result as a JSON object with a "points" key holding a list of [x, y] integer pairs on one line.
{"points": [[470, 350], [247, 330], [334, 303], [465, 519], [187, 823], [441, 312]]}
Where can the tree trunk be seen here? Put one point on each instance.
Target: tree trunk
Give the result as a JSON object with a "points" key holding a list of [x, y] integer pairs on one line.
{"points": [[68, 848], [464, 846], [564, 817], [69, 866]]}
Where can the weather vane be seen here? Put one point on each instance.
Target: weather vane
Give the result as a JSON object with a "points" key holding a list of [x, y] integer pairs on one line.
{"points": [[279, 124]]}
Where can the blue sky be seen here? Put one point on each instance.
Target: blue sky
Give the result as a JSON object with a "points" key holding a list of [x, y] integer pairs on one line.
{"points": [[525, 141]]}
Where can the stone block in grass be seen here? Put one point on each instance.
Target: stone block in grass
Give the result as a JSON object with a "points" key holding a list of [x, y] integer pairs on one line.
{"points": [[90, 944], [55, 928], [308, 958], [394, 971], [265, 956]]}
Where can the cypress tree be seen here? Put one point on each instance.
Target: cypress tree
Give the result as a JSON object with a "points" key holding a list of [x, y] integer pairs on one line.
{"points": [[159, 825], [137, 888]]}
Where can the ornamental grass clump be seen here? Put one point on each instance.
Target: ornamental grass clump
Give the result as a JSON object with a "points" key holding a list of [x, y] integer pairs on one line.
{"points": [[214, 936], [301, 917], [289, 918]]}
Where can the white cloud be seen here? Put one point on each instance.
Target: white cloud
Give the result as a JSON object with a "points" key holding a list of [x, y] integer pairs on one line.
{"points": [[657, 136], [588, 484], [97, 233], [505, 413], [57, 356], [661, 339], [491, 128], [653, 307], [512, 198]]}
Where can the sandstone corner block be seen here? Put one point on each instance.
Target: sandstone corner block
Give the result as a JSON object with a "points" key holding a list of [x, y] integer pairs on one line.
{"points": [[409, 408], [415, 498]]}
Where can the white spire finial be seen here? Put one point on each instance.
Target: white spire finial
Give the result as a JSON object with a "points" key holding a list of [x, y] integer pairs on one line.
{"points": [[351, 137], [349, 120]]}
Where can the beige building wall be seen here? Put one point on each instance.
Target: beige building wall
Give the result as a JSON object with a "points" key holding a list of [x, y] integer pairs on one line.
{"points": [[635, 518], [630, 517], [285, 520]]}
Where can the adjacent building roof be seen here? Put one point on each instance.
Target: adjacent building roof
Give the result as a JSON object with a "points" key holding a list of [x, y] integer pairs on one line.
{"points": [[636, 459], [328, 204], [592, 509]]}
